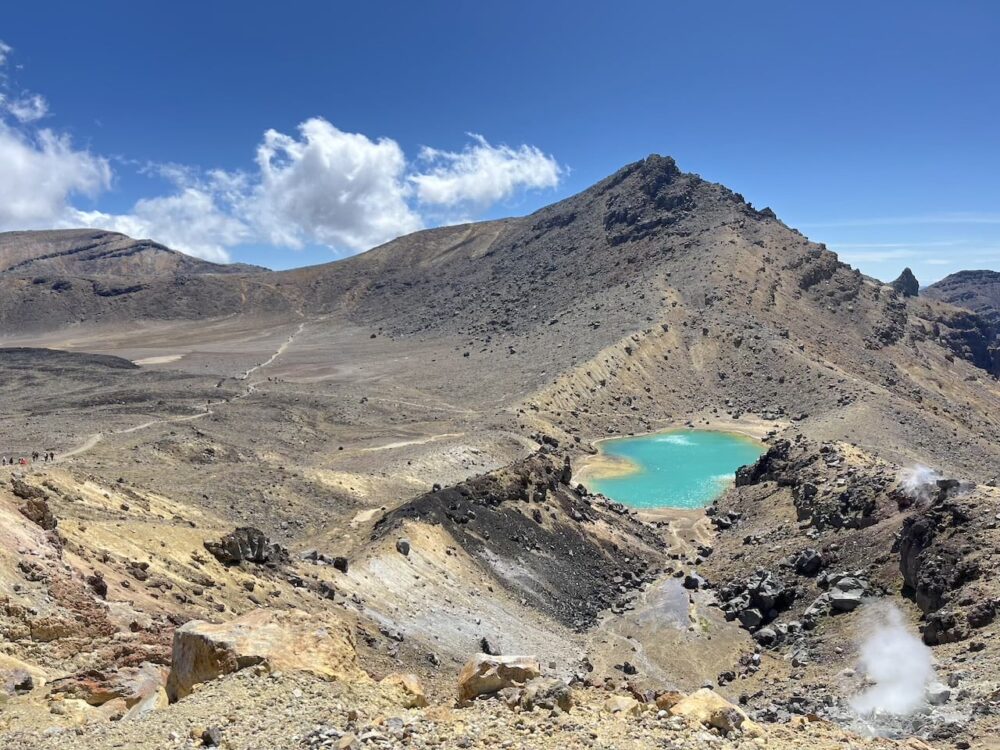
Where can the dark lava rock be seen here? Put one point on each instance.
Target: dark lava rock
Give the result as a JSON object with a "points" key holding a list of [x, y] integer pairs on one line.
{"points": [[808, 562], [757, 600], [692, 582], [906, 284], [403, 546], [211, 737], [26, 491], [574, 569], [930, 546], [98, 585], [38, 512], [247, 544]]}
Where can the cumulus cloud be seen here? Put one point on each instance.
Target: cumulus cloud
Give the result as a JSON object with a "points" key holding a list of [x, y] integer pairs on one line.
{"points": [[40, 173], [328, 186], [190, 220], [482, 174], [320, 186], [40, 169]]}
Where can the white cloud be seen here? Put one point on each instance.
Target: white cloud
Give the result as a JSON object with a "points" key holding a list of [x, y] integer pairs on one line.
{"points": [[322, 186], [28, 108], [482, 174], [335, 188], [39, 173], [190, 220]]}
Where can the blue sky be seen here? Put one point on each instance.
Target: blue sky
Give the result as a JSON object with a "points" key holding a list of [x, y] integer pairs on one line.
{"points": [[287, 134]]}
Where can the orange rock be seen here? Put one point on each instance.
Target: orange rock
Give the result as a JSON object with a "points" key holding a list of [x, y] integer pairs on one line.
{"points": [[409, 685], [286, 640], [484, 674]]}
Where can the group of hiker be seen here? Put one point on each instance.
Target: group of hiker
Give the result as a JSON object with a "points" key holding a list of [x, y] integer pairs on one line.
{"points": [[45, 456]]}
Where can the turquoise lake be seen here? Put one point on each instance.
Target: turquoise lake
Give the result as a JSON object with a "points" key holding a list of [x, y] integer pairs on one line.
{"points": [[676, 469]]}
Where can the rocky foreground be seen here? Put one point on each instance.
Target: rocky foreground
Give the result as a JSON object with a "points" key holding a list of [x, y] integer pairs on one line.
{"points": [[281, 682]]}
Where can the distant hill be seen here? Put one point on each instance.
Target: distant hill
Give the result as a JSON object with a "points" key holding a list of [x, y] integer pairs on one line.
{"points": [[55, 278], [978, 291], [91, 252]]}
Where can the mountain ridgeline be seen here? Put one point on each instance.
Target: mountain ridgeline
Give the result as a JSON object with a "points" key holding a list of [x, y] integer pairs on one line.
{"points": [[604, 261]]}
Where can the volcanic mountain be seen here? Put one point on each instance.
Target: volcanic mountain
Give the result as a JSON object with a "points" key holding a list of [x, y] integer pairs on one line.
{"points": [[650, 295], [404, 425]]}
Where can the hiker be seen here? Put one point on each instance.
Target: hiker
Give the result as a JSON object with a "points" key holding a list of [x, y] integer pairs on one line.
{"points": [[34, 455], [23, 461]]}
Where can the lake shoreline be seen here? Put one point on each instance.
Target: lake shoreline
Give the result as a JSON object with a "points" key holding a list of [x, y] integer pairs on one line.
{"points": [[605, 465]]}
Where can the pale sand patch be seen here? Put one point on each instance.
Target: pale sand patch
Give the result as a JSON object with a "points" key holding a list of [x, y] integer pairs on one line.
{"points": [[603, 466], [162, 360], [365, 516]]}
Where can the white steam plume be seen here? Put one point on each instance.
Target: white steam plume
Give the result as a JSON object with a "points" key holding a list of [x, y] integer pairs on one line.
{"points": [[919, 482], [899, 664]]}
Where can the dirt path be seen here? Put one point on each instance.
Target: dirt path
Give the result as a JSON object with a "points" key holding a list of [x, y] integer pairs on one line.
{"points": [[281, 350], [97, 437], [417, 441]]}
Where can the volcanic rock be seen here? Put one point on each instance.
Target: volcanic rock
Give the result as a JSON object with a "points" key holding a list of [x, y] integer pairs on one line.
{"points": [[246, 544], [484, 674], [906, 284], [281, 640]]}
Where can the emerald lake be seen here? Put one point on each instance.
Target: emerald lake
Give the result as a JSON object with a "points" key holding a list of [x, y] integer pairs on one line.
{"points": [[675, 469]]}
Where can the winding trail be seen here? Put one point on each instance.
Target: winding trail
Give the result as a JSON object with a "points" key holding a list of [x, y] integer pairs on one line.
{"points": [[281, 350], [207, 410]]}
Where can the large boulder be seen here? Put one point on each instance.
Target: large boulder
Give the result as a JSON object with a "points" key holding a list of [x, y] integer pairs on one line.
{"points": [[246, 544], [485, 674], [710, 709], [848, 593], [281, 640], [623, 704]]}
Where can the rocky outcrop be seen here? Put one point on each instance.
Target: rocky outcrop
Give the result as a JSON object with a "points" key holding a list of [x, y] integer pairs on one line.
{"points": [[132, 685], [756, 600], [906, 284], [247, 544], [968, 335], [526, 508], [38, 512], [277, 639], [485, 674], [825, 492], [978, 291], [943, 549]]}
